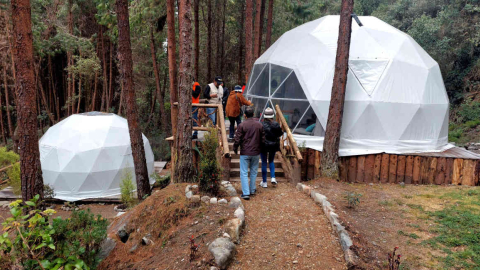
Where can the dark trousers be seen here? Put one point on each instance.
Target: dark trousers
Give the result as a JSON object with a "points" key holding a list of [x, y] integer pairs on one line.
{"points": [[195, 117], [268, 158], [232, 120]]}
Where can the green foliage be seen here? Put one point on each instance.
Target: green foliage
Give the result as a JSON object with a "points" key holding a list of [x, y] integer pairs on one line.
{"points": [[161, 181], [469, 111], [36, 243], [127, 188], [80, 236], [15, 180], [209, 167], [352, 198], [48, 191], [7, 157]]}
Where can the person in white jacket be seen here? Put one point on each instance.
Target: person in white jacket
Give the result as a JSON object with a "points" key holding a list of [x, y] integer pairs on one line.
{"points": [[214, 94]]}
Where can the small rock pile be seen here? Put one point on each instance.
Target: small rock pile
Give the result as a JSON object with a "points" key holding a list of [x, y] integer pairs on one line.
{"points": [[472, 146], [71, 207]]}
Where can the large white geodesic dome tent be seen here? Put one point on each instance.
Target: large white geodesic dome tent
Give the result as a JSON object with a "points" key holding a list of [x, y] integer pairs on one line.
{"points": [[395, 102], [86, 155]]}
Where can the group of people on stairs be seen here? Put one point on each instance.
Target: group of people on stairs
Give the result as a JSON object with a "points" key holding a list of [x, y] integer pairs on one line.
{"points": [[256, 140]]}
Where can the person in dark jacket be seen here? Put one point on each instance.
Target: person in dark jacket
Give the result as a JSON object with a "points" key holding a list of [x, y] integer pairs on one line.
{"points": [[273, 132], [226, 93], [250, 137]]}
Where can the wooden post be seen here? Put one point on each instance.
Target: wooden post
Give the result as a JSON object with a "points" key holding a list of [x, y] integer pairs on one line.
{"points": [[409, 170], [331, 142], [457, 171], [432, 170], [449, 171], [401, 164], [311, 164], [377, 168], [317, 164], [369, 168], [360, 169], [296, 172], [352, 169], [425, 161], [344, 169], [440, 172], [392, 175], [416, 170], [468, 172], [476, 176], [384, 168]]}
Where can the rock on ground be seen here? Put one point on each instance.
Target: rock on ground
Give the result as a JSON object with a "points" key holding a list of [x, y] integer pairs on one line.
{"points": [[223, 201], [233, 228], [222, 250]]}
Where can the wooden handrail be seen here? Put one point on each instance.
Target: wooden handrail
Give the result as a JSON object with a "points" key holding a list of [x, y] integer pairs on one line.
{"points": [[291, 140], [220, 124]]}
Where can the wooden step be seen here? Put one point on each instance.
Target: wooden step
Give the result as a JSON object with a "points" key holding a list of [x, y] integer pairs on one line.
{"points": [[235, 163], [235, 172], [279, 180]]}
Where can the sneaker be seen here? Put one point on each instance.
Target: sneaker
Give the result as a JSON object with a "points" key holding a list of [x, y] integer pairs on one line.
{"points": [[245, 197], [273, 181], [252, 193], [263, 184]]}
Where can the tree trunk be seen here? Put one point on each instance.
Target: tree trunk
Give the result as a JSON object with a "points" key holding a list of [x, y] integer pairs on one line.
{"points": [[55, 100], [71, 81], [71, 103], [110, 90], [161, 100], [260, 36], [184, 170], [126, 66], [42, 92], [120, 107], [329, 161], [7, 104], [222, 50], [31, 174], [256, 29], [241, 42], [218, 34], [94, 97], [105, 79], [209, 40], [248, 38], [268, 38], [197, 39], [158, 91], [1, 115], [172, 64], [79, 92]]}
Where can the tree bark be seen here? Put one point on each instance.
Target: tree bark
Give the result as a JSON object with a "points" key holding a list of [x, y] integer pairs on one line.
{"points": [[240, 46], [260, 36], [110, 90], [7, 104], [197, 39], [256, 29], [222, 50], [71, 81], [248, 38], [126, 66], [329, 161], [31, 174], [158, 92], [55, 100], [184, 169], [209, 40], [268, 38], [1, 115], [42, 92], [94, 97], [105, 81], [172, 64]]}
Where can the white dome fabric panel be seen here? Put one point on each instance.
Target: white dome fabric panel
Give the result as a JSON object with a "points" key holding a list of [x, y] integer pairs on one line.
{"points": [[395, 101], [85, 156]]}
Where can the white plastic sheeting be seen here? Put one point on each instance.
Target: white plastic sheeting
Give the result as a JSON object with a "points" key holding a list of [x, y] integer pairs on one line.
{"points": [[86, 155], [395, 101]]}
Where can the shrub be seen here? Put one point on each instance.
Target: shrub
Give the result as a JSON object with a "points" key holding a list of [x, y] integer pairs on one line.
{"points": [[472, 123], [48, 191], [13, 174], [7, 157], [209, 167], [127, 188], [353, 199], [161, 181], [80, 236], [36, 243], [469, 111]]}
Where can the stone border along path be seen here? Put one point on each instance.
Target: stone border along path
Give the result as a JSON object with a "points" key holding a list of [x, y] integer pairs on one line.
{"points": [[343, 236], [223, 248]]}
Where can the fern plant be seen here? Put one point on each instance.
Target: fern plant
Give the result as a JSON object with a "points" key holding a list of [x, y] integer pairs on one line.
{"points": [[209, 168], [127, 188]]}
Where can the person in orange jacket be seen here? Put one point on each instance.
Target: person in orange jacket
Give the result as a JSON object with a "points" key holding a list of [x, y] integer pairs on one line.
{"points": [[234, 104], [196, 90]]}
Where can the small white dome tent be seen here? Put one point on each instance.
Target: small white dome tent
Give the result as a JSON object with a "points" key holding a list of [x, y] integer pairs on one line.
{"points": [[84, 156], [395, 102]]}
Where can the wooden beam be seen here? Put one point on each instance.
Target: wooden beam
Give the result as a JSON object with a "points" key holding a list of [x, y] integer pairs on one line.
{"points": [[369, 168], [409, 170], [392, 175], [468, 173], [440, 172], [343, 169], [457, 171], [360, 169], [377, 168], [384, 168], [416, 170], [352, 169], [283, 124], [226, 149], [401, 164], [449, 171], [432, 170]]}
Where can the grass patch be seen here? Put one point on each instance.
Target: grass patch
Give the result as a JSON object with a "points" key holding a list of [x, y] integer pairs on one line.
{"points": [[411, 235], [415, 206], [385, 203]]}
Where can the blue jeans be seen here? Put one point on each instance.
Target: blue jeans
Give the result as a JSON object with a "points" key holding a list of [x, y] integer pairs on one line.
{"points": [[248, 162], [232, 120], [212, 115], [195, 117], [271, 164]]}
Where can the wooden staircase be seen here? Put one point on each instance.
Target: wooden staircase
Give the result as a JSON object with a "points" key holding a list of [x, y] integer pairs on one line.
{"points": [[235, 168]]}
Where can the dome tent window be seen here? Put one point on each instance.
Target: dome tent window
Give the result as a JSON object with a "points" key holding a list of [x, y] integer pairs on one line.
{"points": [[395, 102]]}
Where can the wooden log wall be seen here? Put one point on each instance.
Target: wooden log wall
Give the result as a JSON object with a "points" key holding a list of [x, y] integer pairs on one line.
{"points": [[389, 168]]}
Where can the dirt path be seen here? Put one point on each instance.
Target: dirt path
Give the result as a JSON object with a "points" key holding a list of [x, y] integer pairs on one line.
{"points": [[286, 230]]}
